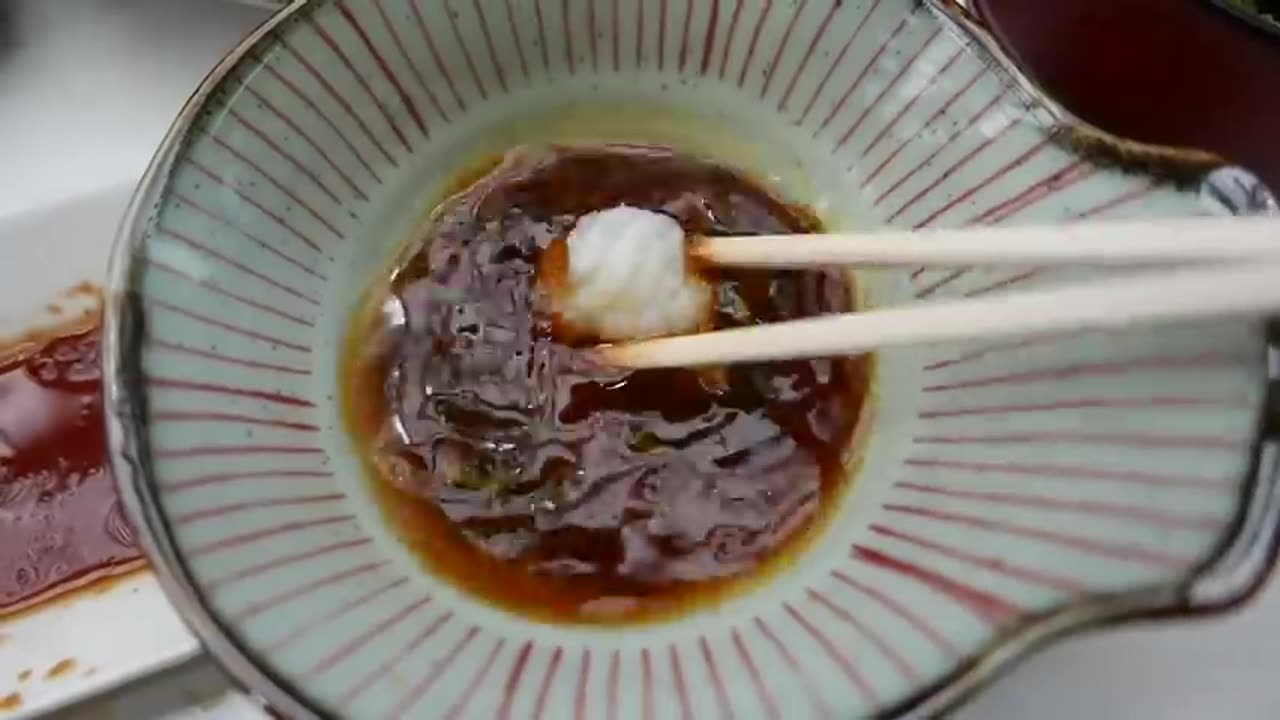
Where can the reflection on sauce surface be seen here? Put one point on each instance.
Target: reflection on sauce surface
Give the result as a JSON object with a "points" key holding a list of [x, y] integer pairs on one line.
{"points": [[61, 524], [564, 491]]}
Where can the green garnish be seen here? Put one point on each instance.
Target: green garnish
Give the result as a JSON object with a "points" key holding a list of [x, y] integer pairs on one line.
{"points": [[645, 441]]}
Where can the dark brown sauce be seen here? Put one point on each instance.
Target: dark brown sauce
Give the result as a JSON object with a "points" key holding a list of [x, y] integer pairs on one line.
{"points": [[1178, 72], [529, 476], [61, 524]]}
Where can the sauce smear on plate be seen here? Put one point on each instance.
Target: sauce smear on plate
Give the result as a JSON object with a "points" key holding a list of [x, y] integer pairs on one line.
{"points": [[524, 473], [61, 524]]}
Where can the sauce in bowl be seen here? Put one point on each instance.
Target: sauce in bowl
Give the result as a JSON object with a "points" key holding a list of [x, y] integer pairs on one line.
{"points": [[522, 472]]}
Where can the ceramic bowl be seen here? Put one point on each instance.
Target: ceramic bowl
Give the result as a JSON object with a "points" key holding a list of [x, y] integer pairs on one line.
{"points": [[1006, 492]]}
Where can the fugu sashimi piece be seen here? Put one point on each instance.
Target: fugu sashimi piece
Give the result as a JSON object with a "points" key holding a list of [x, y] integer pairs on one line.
{"points": [[623, 274]]}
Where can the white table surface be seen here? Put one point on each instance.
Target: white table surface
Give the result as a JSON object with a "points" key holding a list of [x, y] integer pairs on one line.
{"points": [[87, 89]]}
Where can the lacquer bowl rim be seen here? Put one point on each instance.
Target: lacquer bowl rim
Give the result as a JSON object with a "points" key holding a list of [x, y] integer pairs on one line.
{"points": [[1228, 579]]}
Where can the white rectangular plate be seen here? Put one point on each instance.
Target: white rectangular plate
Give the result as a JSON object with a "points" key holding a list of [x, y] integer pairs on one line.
{"points": [[127, 629]]}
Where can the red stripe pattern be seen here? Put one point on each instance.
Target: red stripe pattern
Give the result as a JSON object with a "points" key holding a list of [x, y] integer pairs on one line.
{"points": [[1020, 475]]}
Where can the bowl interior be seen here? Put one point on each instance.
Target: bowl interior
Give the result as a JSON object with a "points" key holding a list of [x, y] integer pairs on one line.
{"points": [[998, 483]]}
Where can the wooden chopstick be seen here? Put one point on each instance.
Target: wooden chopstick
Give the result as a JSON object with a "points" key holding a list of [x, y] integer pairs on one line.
{"points": [[1242, 288], [1127, 242]]}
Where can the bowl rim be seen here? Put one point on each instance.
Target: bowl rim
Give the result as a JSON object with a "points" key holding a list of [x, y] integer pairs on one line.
{"points": [[1231, 576]]}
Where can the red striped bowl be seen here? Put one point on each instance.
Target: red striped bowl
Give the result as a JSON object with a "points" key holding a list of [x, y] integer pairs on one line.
{"points": [[1007, 492]]}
